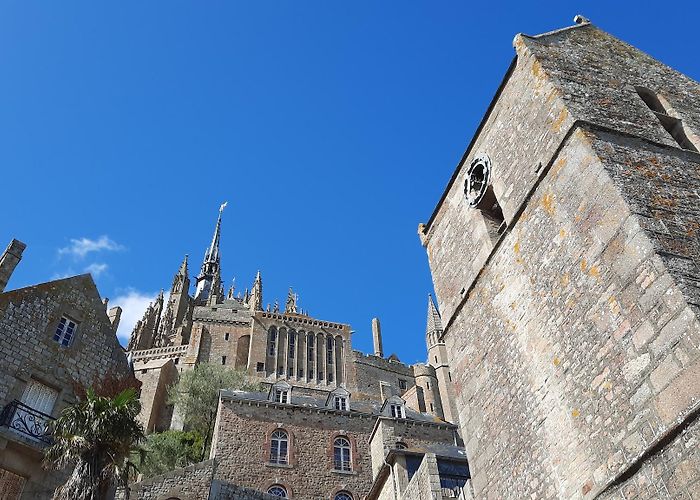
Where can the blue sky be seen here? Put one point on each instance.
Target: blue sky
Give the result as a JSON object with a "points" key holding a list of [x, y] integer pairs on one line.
{"points": [[330, 127]]}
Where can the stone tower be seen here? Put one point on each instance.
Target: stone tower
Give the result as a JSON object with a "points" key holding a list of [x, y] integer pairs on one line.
{"points": [[566, 265], [438, 359]]}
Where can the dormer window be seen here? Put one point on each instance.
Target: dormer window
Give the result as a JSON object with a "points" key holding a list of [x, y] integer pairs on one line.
{"points": [[281, 396], [341, 403], [65, 331], [397, 411]]}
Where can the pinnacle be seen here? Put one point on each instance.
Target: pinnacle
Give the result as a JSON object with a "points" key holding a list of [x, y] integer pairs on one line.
{"points": [[434, 322]]}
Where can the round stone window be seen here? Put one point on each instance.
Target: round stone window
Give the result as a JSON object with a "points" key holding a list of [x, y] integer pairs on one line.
{"points": [[478, 179]]}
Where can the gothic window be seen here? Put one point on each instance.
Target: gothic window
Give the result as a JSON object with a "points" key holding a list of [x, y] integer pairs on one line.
{"points": [[342, 495], [341, 403], [279, 448], [402, 384], [329, 350], [65, 331], [397, 411], [341, 454], [271, 341], [292, 344], [310, 341], [277, 491], [281, 396]]}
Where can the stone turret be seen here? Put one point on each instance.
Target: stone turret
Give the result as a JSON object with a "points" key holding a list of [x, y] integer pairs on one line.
{"points": [[437, 358]]}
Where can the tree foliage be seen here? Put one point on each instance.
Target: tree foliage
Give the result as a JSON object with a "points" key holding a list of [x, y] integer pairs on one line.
{"points": [[96, 436], [196, 395], [168, 450]]}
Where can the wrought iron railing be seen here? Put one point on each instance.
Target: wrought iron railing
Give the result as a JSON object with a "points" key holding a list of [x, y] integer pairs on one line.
{"points": [[26, 420]]}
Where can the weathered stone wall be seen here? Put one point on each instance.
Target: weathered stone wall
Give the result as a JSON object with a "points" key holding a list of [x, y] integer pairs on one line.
{"points": [[370, 371], [227, 491], [28, 321], [425, 483], [573, 340], [411, 433], [186, 483], [242, 449], [573, 358]]}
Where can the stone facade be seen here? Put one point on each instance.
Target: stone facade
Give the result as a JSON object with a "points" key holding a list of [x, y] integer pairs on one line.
{"points": [[43, 361], [564, 257]]}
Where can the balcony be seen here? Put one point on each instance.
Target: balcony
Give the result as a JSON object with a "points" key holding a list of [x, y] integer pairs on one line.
{"points": [[26, 421]]}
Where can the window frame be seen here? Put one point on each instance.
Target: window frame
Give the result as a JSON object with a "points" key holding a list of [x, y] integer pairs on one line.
{"points": [[281, 395], [342, 454], [279, 487], [397, 410], [61, 333], [279, 441]]}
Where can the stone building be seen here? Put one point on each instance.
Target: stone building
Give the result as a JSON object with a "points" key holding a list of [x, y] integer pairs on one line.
{"points": [[308, 435], [57, 337], [564, 255]]}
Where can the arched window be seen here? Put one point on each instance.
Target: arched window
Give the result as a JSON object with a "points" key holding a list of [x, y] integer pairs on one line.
{"points": [[292, 343], [341, 454], [277, 491], [400, 445], [342, 495], [279, 448], [271, 341]]}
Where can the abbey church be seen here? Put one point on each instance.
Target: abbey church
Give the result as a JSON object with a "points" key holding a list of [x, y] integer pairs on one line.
{"points": [[562, 347]]}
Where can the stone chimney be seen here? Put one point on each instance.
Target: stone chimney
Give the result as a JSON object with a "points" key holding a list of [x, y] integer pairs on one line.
{"points": [[114, 315], [377, 337], [9, 260]]}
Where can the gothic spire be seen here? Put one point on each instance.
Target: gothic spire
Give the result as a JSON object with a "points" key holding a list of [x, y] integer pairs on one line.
{"points": [[291, 305], [212, 262], [256, 296], [434, 321]]}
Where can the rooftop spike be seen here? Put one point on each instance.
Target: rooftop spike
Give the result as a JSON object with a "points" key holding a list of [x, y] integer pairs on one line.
{"points": [[434, 322], [211, 264]]}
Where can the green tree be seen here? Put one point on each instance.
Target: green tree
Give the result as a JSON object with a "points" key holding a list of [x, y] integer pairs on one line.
{"points": [[96, 436], [196, 395], [167, 450]]}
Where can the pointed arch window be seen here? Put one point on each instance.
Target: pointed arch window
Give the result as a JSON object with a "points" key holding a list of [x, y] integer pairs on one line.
{"points": [[292, 344], [341, 454], [279, 448]]}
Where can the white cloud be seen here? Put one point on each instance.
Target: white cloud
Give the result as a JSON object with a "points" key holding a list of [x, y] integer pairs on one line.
{"points": [[133, 304], [96, 269], [65, 274], [79, 248]]}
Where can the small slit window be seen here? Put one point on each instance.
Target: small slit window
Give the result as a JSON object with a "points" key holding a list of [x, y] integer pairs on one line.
{"points": [[674, 126]]}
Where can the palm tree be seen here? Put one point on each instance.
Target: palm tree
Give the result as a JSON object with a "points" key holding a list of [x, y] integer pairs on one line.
{"points": [[96, 436]]}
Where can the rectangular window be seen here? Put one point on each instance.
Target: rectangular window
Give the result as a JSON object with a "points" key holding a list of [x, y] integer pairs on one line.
{"points": [[329, 351], [281, 396], [177, 361], [292, 345], [223, 360], [311, 373], [65, 331], [402, 384], [320, 375], [226, 336], [341, 403], [432, 408], [280, 370], [260, 367], [291, 371], [301, 373], [427, 385], [397, 411]]}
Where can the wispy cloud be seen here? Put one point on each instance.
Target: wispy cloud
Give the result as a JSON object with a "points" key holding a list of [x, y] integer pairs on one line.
{"points": [[81, 247], [96, 269], [133, 304]]}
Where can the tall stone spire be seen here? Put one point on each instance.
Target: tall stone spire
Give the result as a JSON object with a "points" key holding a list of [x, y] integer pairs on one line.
{"points": [[256, 297], [291, 305], [434, 324], [212, 262]]}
